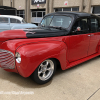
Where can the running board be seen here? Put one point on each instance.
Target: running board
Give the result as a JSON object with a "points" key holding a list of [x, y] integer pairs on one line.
{"points": [[82, 60]]}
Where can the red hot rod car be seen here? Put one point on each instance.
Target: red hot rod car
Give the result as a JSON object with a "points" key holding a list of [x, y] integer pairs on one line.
{"points": [[64, 38]]}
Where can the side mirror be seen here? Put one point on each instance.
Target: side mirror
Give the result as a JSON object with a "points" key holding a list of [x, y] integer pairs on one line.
{"points": [[78, 29]]}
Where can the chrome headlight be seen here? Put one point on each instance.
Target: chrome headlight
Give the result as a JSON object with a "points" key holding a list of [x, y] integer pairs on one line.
{"points": [[18, 57]]}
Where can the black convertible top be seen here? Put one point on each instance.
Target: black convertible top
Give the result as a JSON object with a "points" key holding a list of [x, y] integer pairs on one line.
{"points": [[80, 14]]}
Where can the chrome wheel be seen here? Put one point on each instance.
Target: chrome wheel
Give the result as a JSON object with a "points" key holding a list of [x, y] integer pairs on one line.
{"points": [[45, 70]]}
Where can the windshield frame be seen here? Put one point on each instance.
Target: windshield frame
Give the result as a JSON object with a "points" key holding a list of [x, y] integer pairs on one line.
{"points": [[67, 15]]}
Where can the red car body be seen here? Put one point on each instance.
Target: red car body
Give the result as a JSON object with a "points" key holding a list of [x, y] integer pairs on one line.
{"points": [[69, 50]]}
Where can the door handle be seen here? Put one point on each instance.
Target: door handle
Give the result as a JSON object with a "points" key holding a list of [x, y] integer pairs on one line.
{"points": [[92, 34]]}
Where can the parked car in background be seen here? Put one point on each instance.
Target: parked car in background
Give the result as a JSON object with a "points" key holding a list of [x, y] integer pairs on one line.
{"points": [[64, 39], [24, 26], [9, 22]]}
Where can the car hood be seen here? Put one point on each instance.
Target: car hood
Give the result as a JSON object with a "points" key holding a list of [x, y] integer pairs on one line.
{"points": [[31, 33], [12, 34], [45, 32]]}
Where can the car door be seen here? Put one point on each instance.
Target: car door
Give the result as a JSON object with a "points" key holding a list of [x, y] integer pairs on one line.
{"points": [[4, 24], [94, 36], [79, 40]]}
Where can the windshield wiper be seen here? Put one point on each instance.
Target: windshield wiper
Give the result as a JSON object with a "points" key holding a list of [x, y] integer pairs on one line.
{"points": [[61, 28]]}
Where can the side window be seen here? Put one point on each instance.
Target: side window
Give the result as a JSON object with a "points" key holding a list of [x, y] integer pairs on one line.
{"points": [[82, 24], [94, 24], [12, 20], [3, 20]]}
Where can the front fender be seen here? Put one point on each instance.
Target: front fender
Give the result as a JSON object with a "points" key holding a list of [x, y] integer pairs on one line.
{"points": [[32, 55]]}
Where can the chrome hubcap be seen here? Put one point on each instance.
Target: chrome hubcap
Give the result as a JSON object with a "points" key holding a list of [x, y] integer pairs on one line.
{"points": [[45, 70]]}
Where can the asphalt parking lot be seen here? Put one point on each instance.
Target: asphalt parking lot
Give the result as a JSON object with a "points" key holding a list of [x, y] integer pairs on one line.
{"points": [[81, 82]]}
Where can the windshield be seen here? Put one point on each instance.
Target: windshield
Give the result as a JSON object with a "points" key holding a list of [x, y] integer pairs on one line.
{"points": [[57, 21]]}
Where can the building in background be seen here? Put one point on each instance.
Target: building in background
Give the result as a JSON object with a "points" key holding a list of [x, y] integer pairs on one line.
{"points": [[34, 10]]}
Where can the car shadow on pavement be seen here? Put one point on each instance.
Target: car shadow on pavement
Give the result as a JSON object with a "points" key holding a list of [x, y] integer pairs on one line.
{"points": [[28, 82], [19, 80]]}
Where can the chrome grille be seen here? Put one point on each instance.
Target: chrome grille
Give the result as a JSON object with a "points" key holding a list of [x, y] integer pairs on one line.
{"points": [[7, 60]]}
